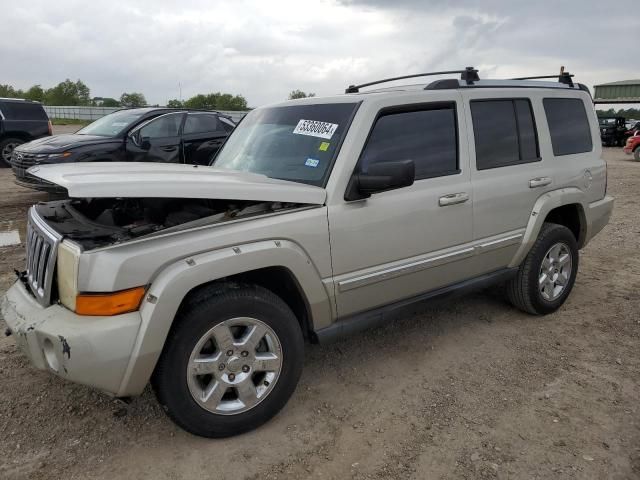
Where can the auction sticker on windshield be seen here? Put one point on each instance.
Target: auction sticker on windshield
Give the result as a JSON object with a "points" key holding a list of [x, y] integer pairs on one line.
{"points": [[314, 128]]}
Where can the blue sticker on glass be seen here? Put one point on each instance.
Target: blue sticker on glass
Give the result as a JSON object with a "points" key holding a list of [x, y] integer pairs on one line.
{"points": [[312, 162]]}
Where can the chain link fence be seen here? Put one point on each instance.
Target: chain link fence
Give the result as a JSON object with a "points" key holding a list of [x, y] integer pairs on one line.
{"points": [[93, 113]]}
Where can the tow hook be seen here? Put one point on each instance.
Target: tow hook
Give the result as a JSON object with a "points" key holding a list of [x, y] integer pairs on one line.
{"points": [[7, 332]]}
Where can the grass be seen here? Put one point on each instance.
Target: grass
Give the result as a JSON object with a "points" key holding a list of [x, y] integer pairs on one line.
{"points": [[69, 121]]}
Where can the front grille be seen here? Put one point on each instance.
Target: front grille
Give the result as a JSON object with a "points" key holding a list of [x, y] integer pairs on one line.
{"points": [[42, 250], [21, 161]]}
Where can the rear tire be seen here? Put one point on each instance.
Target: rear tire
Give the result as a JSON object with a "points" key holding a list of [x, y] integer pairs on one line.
{"points": [[231, 361], [6, 150], [636, 154], [547, 274]]}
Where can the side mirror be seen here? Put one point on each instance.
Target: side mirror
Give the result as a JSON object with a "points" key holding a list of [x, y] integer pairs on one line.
{"points": [[380, 178], [145, 143]]}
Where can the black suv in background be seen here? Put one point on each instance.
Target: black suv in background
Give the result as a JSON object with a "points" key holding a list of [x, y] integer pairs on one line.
{"points": [[612, 131], [133, 135], [20, 121]]}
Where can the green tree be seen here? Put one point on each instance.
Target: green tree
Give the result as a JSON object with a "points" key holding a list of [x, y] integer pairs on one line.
{"points": [[626, 113], [231, 102], [200, 101], [7, 91], [110, 102], [35, 93], [295, 94], [217, 101], [68, 93], [133, 100], [174, 103], [105, 102]]}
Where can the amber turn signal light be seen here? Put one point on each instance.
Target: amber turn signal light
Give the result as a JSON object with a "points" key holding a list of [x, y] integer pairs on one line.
{"points": [[105, 304]]}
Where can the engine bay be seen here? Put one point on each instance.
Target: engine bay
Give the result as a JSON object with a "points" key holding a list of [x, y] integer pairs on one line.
{"points": [[99, 222]]}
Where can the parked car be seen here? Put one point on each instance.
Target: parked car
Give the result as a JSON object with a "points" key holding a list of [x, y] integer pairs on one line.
{"points": [[318, 217], [632, 129], [632, 147], [612, 131], [20, 121], [133, 135]]}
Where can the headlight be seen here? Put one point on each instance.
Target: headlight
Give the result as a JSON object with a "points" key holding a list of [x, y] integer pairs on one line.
{"points": [[52, 156], [68, 260], [104, 304]]}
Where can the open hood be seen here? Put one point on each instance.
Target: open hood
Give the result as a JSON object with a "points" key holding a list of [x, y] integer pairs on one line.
{"points": [[170, 180]]}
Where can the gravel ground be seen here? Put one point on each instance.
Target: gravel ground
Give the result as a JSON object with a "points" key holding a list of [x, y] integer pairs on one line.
{"points": [[468, 389]]}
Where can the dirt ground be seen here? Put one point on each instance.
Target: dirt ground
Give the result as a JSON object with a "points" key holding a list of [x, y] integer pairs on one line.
{"points": [[469, 389], [60, 129]]}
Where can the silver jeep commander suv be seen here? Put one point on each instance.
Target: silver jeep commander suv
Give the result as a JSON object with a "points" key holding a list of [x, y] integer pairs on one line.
{"points": [[317, 217]]}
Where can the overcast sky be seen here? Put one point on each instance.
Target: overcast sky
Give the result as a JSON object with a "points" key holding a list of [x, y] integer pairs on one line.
{"points": [[265, 49]]}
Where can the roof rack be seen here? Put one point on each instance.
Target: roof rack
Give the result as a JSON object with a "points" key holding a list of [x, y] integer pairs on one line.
{"points": [[469, 75], [563, 77]]}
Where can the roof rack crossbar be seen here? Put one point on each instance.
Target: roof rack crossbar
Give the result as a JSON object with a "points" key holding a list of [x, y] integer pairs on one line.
{"points": [[539, 76], [563, 77], [469, 75]]}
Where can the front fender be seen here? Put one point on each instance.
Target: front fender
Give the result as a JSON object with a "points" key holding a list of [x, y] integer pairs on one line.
{"points": [[177, 279], [542, 207]]}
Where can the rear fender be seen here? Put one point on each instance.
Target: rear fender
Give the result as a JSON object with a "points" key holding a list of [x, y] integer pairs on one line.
{"points": [[542, 207]]}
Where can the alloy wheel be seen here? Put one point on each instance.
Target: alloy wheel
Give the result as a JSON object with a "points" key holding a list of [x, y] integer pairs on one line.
{"points": [[7, 151], [555, 272], [234, 366]]}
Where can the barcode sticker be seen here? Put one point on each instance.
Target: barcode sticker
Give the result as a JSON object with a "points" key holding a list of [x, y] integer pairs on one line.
{"points": [[314, 128]]}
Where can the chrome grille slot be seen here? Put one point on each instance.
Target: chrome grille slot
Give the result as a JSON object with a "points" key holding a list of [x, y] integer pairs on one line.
{"points": [[42, 248], [20, 162]]}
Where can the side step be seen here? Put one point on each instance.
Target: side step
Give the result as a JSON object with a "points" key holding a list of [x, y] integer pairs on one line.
{"points": [[375, 317]]}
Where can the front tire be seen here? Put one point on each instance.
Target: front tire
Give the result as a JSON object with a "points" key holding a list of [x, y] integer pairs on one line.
{"points": [[636, 154], [231, 361], [547, 275], [7, 146]]}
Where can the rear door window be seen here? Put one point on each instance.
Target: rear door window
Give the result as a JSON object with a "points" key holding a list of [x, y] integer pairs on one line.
{"points": [[426, 134], [568, 126], [505, 133], [23, 111], [201, 123]]}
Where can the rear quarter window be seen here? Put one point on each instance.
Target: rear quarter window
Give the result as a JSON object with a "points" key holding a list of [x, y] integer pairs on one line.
{"points": [[23, 111], [568, 126]]}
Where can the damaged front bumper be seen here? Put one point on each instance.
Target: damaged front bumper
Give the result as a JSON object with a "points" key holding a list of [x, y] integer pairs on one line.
{"points": [[93, 351]]}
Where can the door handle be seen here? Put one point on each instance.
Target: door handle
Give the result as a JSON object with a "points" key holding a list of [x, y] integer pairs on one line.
{"points": [[539, 182], [453, 199]]}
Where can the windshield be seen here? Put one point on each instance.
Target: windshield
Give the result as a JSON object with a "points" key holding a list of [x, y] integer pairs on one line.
{"points": [[112, 124], [296, 143], [607, 121]]}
